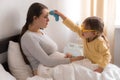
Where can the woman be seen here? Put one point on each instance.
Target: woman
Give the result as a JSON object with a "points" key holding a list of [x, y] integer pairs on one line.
{"points": [[35, 44]]}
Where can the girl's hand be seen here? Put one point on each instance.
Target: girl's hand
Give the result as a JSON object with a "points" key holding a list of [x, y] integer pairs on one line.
{"points": [[68, 55], [57, 12], [76, 58], [60, 14], [99, 69], [80, 57]]}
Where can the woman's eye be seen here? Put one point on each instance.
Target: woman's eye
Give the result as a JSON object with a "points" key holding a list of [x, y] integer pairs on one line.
{"points": [[46, 17]]}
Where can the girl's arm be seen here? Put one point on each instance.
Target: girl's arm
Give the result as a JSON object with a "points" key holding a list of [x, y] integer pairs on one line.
{"points": [[69, 23]]}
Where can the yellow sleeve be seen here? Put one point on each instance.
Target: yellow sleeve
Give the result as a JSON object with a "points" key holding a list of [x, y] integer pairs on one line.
{"points": [[72, 26], [105, 54]]}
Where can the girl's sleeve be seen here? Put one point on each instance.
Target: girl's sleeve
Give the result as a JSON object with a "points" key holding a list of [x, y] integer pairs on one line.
{"points": [[38, 53], [72, 26], [105, 53]]}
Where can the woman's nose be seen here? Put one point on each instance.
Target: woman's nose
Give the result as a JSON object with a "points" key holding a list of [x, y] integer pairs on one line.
{"points": [[48, 19]]}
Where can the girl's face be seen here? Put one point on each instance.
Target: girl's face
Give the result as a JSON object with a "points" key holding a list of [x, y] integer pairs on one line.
{"points": [[42, 20], [87, 33]]}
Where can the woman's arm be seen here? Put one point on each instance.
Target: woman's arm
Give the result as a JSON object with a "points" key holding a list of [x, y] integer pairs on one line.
{"points": [[34, 48]]}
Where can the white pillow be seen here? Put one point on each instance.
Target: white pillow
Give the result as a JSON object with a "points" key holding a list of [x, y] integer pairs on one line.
{"points": [[16, 63], [74, 49], [4, 75]]}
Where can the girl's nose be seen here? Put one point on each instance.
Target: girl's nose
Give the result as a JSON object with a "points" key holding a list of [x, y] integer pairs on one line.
{"points": [[82, 34]]}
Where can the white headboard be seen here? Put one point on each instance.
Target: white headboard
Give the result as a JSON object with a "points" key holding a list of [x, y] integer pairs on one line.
{"points": [[117, 47]]}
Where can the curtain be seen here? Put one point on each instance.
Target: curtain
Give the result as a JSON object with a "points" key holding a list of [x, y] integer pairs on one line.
{"points": [[104, 9], [109, 18]]}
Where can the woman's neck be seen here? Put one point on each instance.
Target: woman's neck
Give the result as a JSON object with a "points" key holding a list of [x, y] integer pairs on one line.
{"points": [[34, 29]]}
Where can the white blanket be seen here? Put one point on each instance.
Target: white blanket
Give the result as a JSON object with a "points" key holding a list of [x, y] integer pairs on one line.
{"points": [[79, 70]]}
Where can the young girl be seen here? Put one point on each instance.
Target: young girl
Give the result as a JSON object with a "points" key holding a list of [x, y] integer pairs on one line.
{"points": [[95, 44]]}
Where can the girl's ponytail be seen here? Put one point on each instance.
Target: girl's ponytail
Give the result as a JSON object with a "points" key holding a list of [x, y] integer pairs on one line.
{"points": [[106, 40]]}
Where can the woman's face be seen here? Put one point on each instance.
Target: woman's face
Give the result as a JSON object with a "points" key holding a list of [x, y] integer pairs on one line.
{"points": [[42, 20]]}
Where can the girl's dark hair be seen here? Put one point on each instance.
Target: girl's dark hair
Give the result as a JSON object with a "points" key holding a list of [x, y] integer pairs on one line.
{"points": [[34, 10], [96, 23]]}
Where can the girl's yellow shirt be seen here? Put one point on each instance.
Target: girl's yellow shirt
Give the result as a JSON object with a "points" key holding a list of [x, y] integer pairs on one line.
{"points": [[96, 50]]}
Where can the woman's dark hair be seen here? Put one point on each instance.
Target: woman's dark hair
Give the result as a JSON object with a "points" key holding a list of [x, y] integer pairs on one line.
{"points": [[34, 10]]}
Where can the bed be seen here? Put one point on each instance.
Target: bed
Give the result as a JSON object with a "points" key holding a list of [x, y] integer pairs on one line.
{"points": [[79, 70], [5, 73], [12, 60], [3, 49]]}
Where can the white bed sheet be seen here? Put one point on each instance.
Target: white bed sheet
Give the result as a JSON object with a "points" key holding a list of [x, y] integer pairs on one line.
{"points": [[79, 70]]}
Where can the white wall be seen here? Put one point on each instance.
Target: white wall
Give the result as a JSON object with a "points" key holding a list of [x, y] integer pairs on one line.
{"points": [[117, 46], [13, 15]]}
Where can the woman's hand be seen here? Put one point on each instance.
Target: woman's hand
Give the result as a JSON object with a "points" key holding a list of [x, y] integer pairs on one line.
{"points": [[99, 69], [68, 55]]}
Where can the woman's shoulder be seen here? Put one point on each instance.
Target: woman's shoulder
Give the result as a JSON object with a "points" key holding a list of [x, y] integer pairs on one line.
{"points": [[34, 36], [28, 35]]}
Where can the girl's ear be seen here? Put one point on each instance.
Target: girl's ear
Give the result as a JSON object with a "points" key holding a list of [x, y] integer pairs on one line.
{"points": [[96, 33]]}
